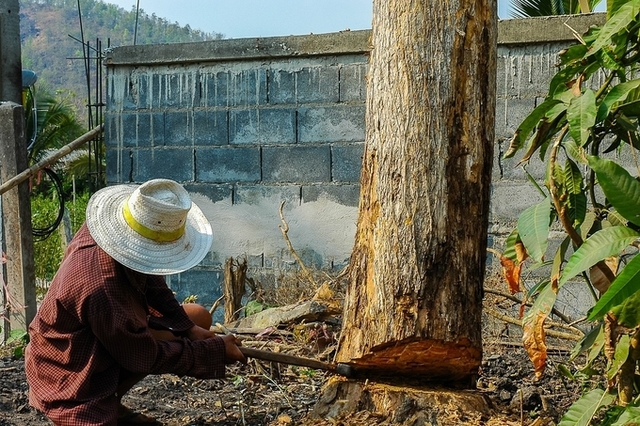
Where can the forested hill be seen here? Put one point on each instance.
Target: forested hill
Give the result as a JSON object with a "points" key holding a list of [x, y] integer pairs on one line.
{"points": [[50, 30]]}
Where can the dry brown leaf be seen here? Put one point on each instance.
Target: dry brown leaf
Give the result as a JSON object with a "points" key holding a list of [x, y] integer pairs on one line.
{"points": [[534, 341], [521, 252], [511, 273], [324, 292]]}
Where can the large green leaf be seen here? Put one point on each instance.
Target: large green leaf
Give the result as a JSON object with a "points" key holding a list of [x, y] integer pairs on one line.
{"points": [[604, 243], [618, 22], [625, 284], [628, 313], [582, 411], [533, 228], [620, 355], [527, 126], [581, 115], [630, 416], [622, 190], [617, 94]]}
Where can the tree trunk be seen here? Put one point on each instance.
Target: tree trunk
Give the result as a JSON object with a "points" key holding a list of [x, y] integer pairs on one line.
{"points": [[414, 301]]}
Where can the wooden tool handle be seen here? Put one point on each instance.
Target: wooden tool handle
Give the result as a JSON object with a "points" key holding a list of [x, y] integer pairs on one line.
{"points": [[286, 359]]}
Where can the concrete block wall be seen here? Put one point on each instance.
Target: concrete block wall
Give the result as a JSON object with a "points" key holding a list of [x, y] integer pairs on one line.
{"points": [[247, 124]]}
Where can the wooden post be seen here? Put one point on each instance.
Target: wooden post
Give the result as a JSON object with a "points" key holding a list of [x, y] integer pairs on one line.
{"points": [[16, 215], [10, 62]]}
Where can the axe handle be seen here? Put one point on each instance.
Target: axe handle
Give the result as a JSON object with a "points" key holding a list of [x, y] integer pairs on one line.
{"points": [[286, 359]]}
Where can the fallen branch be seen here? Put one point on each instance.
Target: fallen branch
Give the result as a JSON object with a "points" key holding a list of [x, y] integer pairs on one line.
{"points": [[550, 333], [513, 298]]}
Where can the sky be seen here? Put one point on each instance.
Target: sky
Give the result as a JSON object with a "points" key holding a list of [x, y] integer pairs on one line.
{"points": [[266, 18]]}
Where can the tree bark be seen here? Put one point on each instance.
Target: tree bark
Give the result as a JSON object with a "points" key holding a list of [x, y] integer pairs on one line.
{"points": [[414, 301], [235, 274]]}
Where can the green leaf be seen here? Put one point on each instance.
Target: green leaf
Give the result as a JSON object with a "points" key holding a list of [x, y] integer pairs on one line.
{"points": [[622, 190], [581, 115], [620, 356], [630, 416], [576, 152], [624, 286], [576, 198], [617, 94], [606, 242], [564, 371], [558, 259], [584, 409], [587, 341], [573, 53], [533, 228], [510, 246], [527, 126], [628, 313], [618, 22]]}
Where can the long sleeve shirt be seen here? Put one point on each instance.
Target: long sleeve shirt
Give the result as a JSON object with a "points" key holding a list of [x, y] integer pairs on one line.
{"points": [[92, 328]]}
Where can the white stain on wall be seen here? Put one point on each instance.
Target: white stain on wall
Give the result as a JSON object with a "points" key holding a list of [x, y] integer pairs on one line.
{"points": [[324, 226]]}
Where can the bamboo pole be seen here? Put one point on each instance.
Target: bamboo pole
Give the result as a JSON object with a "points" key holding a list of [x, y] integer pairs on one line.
{"points": [[65, 150]]}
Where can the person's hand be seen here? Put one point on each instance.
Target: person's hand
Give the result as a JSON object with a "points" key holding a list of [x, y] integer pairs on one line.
{"points": [[232, 351], [199, 333]]}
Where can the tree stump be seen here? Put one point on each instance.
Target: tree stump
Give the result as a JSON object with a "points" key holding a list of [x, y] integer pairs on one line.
{"points": [[404, 405]]}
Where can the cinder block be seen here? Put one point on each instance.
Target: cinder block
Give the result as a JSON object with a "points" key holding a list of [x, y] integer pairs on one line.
{"points": [[120, 96], [116, 168], [347, 195], [256, 194], [509, 199], [244, 126], [205, 283], [339, 123], [140, 91], [141, 129], [296, 164], [210, 127], [228, 164], [111, 131], [346, 162], [318, 85], [210, 191], [248, 88], [178, 128], [282, 86], [178, 89], [215, 89], [273, 125], [353, 83], [277, 125], [169, 163], [525, 71], [135, 128]]}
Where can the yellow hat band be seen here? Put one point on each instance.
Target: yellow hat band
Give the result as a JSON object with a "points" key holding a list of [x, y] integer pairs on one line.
{"points": [[157, 236]]}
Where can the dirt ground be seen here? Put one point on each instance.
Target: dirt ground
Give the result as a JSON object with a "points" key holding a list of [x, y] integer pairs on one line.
{"points": [[261, 393], [265, 394]]}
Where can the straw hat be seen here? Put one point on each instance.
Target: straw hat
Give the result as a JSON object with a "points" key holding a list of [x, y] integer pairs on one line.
{"points": [[153, 228]]}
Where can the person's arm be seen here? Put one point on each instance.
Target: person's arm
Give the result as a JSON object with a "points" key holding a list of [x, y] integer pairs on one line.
{"points": [[119, 323]]}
